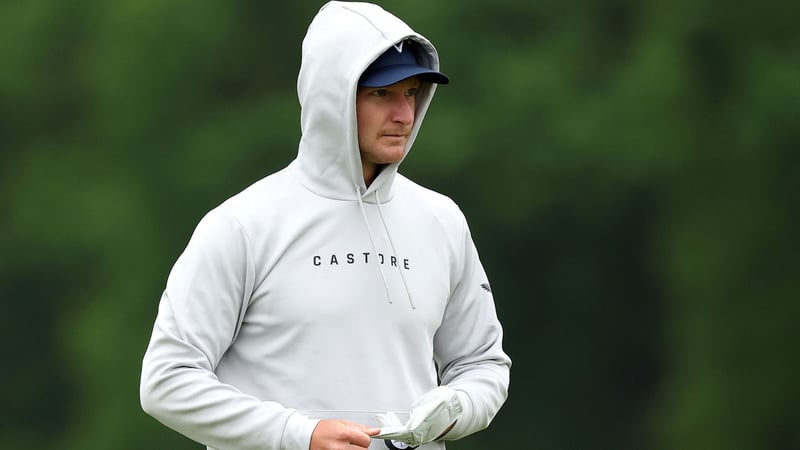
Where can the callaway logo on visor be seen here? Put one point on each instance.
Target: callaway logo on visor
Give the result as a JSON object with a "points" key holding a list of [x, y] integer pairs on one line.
{"points": [[397, 444]]}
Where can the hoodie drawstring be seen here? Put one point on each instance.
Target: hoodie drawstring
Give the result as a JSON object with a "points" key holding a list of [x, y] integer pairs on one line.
{"points": [[375, 248], [394, 251], [372, 240]]}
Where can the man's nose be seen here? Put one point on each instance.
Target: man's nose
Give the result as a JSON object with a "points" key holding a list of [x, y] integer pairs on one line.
{"points": [[403, 111]]}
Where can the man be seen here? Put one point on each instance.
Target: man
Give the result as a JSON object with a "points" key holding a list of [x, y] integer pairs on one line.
{"points": [[334, 304]]}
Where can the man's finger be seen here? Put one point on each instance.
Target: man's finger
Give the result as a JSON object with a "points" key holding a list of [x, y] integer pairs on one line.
{"points": [[371, 431], [359, 438], [359, 434]]}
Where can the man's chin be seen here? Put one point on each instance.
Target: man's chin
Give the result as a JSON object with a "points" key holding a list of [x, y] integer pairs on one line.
{"points": [[393, 154]]}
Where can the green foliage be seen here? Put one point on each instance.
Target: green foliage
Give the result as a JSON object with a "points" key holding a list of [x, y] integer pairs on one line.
{"points": [[629, 170]]}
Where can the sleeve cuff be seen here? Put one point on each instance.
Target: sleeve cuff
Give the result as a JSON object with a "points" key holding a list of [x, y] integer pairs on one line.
{"points": [[297, 434]]}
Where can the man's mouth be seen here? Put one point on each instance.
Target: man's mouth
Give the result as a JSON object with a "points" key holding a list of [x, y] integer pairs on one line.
{"points": [[396, 135]]}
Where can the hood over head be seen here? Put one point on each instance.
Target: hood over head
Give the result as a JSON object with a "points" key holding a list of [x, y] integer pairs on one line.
{"points": [[342, 41]]}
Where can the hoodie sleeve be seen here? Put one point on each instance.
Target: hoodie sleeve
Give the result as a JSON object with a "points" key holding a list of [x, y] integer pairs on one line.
{"points": [[199, 315], [468, 346]]}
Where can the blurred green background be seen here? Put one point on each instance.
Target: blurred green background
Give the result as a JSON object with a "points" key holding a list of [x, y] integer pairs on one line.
{"points": [[630, 170]]}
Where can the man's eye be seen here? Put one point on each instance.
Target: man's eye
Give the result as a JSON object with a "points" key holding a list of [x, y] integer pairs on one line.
{"points": [[411, 92], [379, 93]]}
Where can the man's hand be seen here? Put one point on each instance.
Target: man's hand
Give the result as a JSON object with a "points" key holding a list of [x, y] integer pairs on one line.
{"points": [[341, 435]]}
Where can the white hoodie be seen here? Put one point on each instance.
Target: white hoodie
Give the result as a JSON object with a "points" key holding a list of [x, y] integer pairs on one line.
{"points": [[311, 296]]}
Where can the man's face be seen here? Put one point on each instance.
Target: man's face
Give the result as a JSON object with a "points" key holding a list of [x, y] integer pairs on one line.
{"points": [[385, 117]]}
